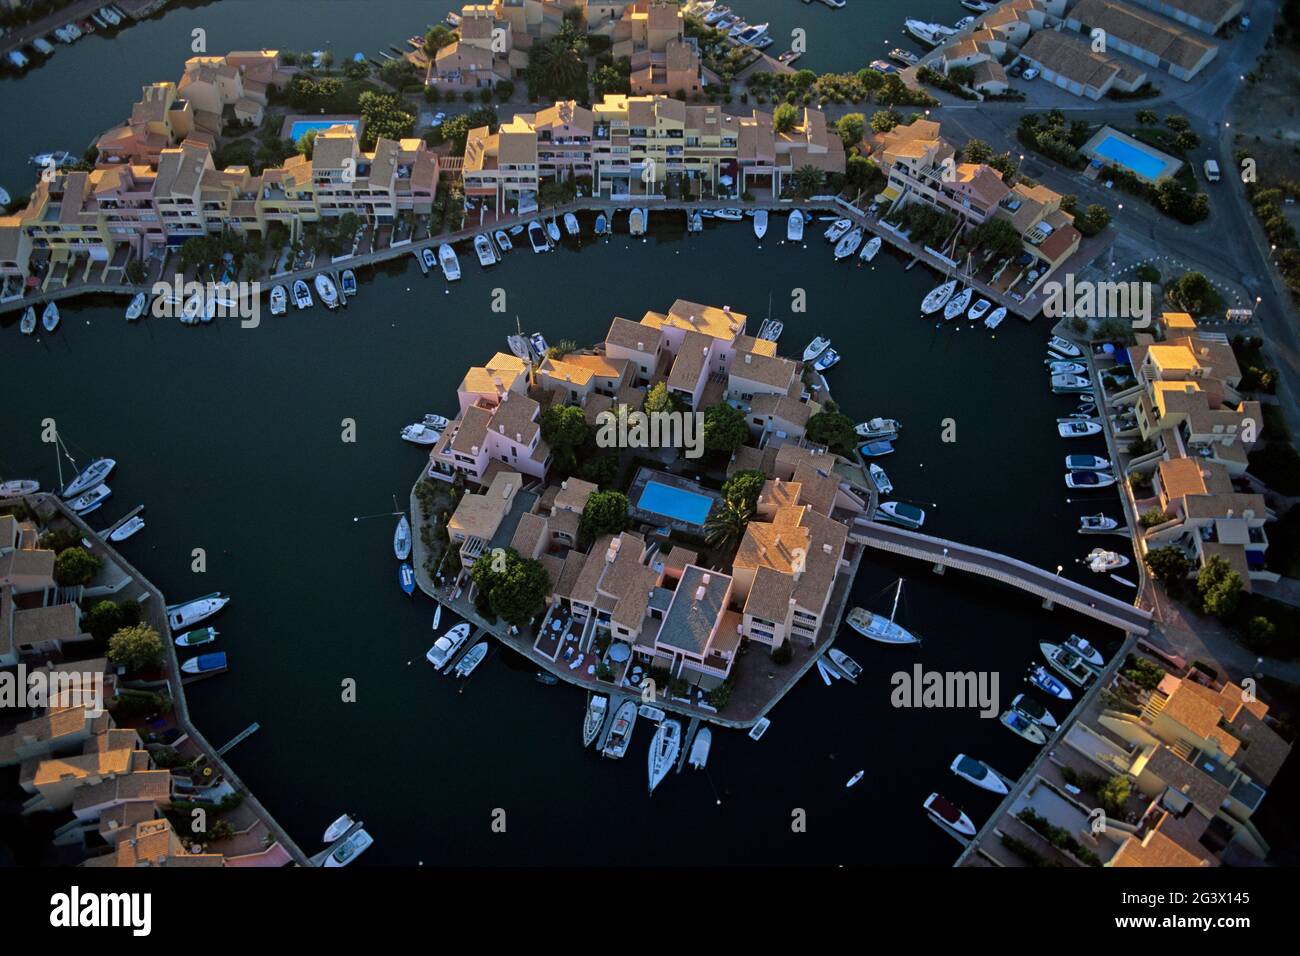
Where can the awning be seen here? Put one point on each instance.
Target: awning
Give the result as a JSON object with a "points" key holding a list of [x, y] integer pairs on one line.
{"points": [[889, 194]]}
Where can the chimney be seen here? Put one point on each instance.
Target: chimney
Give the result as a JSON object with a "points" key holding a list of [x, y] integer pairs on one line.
{"points": [[749, 359], [699, 593], [640, 346], [826, 547], [705, 580]]}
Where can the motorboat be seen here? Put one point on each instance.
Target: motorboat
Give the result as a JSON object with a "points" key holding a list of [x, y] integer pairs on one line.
{"points": [[350, 849], [876, 449], [110, 16], [755, 36], [650, 712], [336, 829], [963, 23], [759, 729], [995, 317], [483, 249], [1022, 726], [771, 330], [1088, 479], [406, 578], [517, 230], [192, 310], [437, 422], [815, 348], [1077, 429], [57, 159], [637, 220], [1096, 523], [1033, 709], [716, 14], [848, 665], [901, 513], [1060, 367], [938, 297], [1085, 650], [1086, 463], [827, 360], [301, 295], [664, 748], [1048, 684], [597, 706], [325, 289], [700, 749], [348, 281], [428, 261], [1067, 663], [878, 428], [279, 300], [553, 231], [870, 249], [136, 308], [437, 616], [694, 221], [1067, 349], [129, 527], [978, 6], [879, 628], [848, 243], [204, 635], [90, 500], [729, 214], [445, 647], [855, 778], [205, 663], [420, 434], [402, 539], [448, 261], [883, 484], [948, 815], [17, 60], [191, 612], [931, 34], [473, 657], [28, 324], [537, 237], [93, 474], [794, 226], [957, 304], [50, 317], [979, 773], [760, 223], [503, 241], [1101, 561], [1070, 384], [571, 224], [602, 224], [836, 230], [906, 57], [17, 487], [620, 732], [978, 309]]}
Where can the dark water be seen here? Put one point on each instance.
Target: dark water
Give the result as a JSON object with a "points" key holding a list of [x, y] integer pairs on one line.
{"points": [[68, 100], [231, 437]]}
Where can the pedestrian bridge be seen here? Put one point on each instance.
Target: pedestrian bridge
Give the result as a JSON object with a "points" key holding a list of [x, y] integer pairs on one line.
{"points": [[1050, 587]]}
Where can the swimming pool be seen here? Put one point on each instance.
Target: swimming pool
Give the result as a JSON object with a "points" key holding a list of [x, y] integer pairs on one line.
{"points": [[302, 127], [1146, 162], [677, 503]]}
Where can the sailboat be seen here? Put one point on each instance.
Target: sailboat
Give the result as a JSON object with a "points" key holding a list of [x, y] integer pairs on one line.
{"points": [[937, 297], [957, 304], [877, 628], [402, 539], [92, 475], [663, 751], [595, 718]]}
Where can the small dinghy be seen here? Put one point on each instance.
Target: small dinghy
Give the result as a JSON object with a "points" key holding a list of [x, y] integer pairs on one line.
{"points": [[1048, 684], [349, 281], [279, 300], [571, 224], [1096, 523], [204, 635], [855, 778], [337, 828], [995, 317], [794, 227], [503, 241], [136, 308], [700, 749], [127, 529], [50, 317], [28, 323], [301, 295]]}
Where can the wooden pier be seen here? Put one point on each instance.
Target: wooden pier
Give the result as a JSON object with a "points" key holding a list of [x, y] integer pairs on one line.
{"points": [[239, 738]]}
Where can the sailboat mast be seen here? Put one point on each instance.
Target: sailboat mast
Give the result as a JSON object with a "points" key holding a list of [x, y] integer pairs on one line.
{"points": [[898, 592]]}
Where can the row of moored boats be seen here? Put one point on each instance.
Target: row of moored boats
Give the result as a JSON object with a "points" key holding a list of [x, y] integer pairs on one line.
{"points": [[105, 18]]}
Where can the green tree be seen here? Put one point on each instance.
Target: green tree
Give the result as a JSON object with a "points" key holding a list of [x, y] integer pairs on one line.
{"points": [[784, 117], [106, 617], [75, 566], [136, 648], [725, 428], [1114, 793], [1093, 219], [977, 151], [851, 127], [998, 236], [437, 38], [725, 526], [658, 399], [833, 430], [745, 487], [1192, 293], [1170, 566], [565, 429], [1219, 586], [808, 180], [556, 70], [517, 592], [1147, 117], [455, 130], [604, 513], [882, 121], [307, 143]]}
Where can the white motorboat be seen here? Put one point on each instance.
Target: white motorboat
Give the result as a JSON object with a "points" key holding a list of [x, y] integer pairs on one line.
{"points": [[473, 657], [979, 773], [620, 732], [694, 221], [794, 227], [448, 261], [437, 422], [58, 159], [571, 224], [729, 214], [337, 828], [110, 16], [1088, 479], [836, 230], [1101, 561], [1066, 368], [870, 249], [979, 6], [518, 230], [963, 23], [136, 307], [906, 57], [760, 223], [17, 60], [1048, 684], [1067, 349], [1070, 384], [771, 330], [1085, 650], [848, 243], [325, 289], [1077, 428], [978, 309], [428, 261], [878, 428], [348, 283], [1096, 524], [192, 310], [126, 529], [1087, 463], [539, 344], [204, 635], [301, 295], [699, 757], [43, 46], [50, 317], [947, 814], [537, 237], [17, 487], [28, 324], [855, 778], [503, 241], [827, 360], [420, 434], [995, 317], [1067, 663], [957, 304], [279, 300], [879, 628], [815, 348], [205, 663], [483, 249], [759, 729], [87, 502], [445, 647], [931, 34], [350, 849], [92, 475], [883, 484], [938, 297], [1034, 709], [637, 220], [597, 707], [402, 539], [663, 751], [901, 513], [553, 230], [848, 665], [191, 612], [1022, 726]]}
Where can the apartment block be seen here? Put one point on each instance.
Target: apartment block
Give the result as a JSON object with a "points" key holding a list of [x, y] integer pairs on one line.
{"points": [[1146, 36]]}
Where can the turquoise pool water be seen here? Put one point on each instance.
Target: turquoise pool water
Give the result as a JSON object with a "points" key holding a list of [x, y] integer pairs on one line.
{"points": [[1130, 157], [673, 502], [301, 128]]}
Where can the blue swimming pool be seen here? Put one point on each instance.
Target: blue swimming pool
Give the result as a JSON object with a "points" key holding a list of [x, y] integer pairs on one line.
{"points": [[1131, 157], [677, 503], [302, 127]]}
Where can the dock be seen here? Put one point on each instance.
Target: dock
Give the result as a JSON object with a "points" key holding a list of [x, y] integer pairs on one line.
{"points": [[320, 858], [688, 740], [239, 738]]}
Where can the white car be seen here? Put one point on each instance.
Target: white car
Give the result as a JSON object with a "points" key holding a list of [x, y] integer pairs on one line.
{"points": [[437, 119], [1030, 73]]}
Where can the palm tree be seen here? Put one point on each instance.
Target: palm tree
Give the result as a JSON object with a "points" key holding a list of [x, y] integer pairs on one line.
{"points": [[725, 526], [555, 68]]}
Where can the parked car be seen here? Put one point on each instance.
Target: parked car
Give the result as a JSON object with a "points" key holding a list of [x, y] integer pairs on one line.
{"points": [[438, 117], [1029, 73]]}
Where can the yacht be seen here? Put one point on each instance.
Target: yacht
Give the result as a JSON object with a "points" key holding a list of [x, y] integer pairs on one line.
{"points": [[1086, 463], [90, 500], [1048, 684], [428, 261], [445, 647], [136, 308], [1021, 725], [17, 487], [1067, 349], [901, 513], [1067, 663], [472, 659], [937, 297], [127, 528], [50, 317], [957, 304], [978, 309], [205, 663], [875, 449], [837, 229], [339, 827], [963, 23], [597, 705], [1077, 429], [1085, 650], [402, 539], [979, 773], [700, 749], [1059, 367], [438, 422], [815, 348], [1034, 710], [760, 223], [348, 281], [1096, 523], [637, 220], [794, 227], [995, 317], [28, 323], [571, 224], [931, 34], [483, 249], [329, 296], [948, 815], [1088, 479], [759, 729], [906, 57], [870, 249], [537, 236], [204, 635], [191, 612], [503, 241], [58, 159], [663, 751], [301, 295], [878, 428], [848, 665], [716, 14], [877, 627], [978, 6], [1070, 384], [279, 300], [350, 849], [620, 732], [93, 474], [448, 261], [420, 434], [729, 214], [538, 342], [848, 243], [827, 360], [1100, 561], [883, 484]]}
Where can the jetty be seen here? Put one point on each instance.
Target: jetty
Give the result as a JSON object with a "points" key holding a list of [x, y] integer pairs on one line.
{"points": [[121, 521], [239, 738]]}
